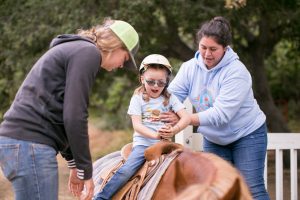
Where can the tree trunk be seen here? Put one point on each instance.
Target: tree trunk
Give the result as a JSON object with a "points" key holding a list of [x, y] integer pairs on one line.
{"points": [[275, 120], [263, 95]]}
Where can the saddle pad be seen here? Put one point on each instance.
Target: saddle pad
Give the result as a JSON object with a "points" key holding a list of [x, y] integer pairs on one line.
{"points": [[147, 191], [104, 165]]}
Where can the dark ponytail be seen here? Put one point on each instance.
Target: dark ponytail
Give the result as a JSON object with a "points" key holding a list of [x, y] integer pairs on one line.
{"points": [[218, 28]]}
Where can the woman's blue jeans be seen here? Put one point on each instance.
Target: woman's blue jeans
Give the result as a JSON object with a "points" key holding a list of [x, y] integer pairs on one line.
{"points": [[248, 156], [31, 168], [134, 162]]}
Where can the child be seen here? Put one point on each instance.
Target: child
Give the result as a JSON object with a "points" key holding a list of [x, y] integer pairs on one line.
{"points": [[147, 102]]}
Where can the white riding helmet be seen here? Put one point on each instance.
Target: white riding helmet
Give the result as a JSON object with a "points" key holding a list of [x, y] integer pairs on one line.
{"points": [[155, 59]]}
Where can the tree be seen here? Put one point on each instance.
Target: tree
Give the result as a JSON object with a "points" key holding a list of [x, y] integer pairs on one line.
{"points": [[27, 27], [165, 26], [257, 28], [261, 26]]}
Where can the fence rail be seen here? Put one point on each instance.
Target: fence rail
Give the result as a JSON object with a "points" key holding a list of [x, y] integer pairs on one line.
{"points": [[278, 142]]}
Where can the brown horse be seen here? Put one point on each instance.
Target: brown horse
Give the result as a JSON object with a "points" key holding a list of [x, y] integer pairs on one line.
{"points": [[196, 175]]}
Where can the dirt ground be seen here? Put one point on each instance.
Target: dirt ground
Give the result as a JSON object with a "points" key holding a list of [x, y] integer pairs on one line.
{"points": [[98, 140]]}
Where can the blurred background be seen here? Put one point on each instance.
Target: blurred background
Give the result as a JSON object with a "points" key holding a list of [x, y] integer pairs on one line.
{"points": [[266, 36]]}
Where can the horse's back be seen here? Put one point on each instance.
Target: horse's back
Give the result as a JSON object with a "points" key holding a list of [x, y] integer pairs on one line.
{"points": [[191, 175], [198, 175]]}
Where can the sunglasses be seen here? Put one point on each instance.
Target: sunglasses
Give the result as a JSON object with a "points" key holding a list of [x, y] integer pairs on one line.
{"points": [[159, 83]]}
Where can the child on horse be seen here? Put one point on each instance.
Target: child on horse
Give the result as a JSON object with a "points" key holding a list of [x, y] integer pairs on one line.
{"points": [[147, 102]]}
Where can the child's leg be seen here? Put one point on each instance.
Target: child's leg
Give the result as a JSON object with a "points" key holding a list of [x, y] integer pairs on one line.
{"points": [[134, 162]]}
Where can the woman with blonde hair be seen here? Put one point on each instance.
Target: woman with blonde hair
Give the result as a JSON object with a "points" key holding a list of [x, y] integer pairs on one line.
{"points": [[50, 111]]}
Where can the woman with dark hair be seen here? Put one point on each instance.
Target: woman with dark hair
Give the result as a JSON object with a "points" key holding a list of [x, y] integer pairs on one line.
{"points": [[219, 86]]}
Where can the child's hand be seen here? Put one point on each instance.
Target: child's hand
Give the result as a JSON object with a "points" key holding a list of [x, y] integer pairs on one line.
{"points": [[166, 132], [157, 136]]}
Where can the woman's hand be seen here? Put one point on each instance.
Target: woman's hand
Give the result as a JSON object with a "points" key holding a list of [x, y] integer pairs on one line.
{"points": [[88, 192], [80, 188], [75, 184], [169, 118]]}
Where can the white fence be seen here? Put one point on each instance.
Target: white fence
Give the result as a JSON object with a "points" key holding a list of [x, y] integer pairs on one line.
{"points": [[276, 142]]}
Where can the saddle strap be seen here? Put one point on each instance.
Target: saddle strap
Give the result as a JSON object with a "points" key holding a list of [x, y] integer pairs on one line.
{"points": [[147, 191], [133, 186], [133, 192], [153, 169], [110, 174]]}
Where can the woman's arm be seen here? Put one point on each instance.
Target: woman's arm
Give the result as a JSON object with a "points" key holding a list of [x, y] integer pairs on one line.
{"points": [[141, 129], [169, 131], [169, 117], [184, 121], [195, 119], [172, 118]]}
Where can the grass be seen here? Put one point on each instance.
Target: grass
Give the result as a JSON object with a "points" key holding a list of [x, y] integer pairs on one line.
{"points": [[105, 142], [114, 141]]}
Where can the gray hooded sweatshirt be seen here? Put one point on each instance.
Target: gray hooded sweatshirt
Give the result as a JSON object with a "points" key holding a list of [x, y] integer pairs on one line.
{"points": [[51, 106]]}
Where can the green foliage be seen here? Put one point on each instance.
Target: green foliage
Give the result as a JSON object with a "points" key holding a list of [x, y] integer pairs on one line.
{"points": [[166, 27], [283, 68], [293, 115], [27, 28], [111, 99]]}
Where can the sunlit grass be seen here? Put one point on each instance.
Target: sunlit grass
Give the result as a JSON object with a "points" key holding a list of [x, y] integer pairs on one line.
{"points": [[114, 142], [107, 141]]}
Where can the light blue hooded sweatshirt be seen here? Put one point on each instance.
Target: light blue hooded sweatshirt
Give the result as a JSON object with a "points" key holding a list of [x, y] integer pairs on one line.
{"points": [[222, 97]]}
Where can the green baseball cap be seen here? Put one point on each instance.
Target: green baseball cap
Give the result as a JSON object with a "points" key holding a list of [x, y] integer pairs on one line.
{"points": [[128, 35]]}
